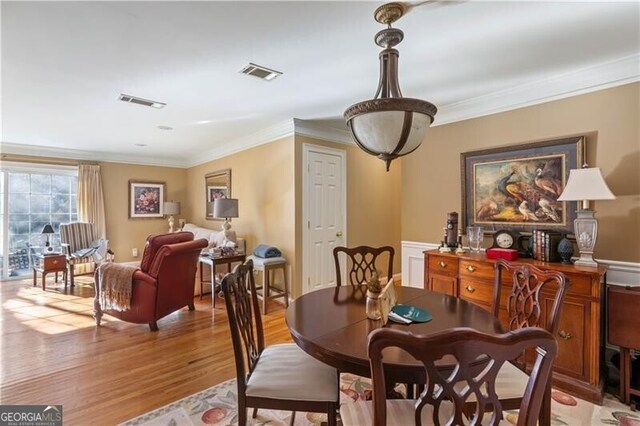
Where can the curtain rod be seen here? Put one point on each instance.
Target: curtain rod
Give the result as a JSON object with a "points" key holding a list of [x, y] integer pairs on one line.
{"points": [[45, 160]]}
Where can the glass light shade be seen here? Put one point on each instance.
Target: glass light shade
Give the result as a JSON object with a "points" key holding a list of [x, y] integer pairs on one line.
{"points": [[225, 208], [381, 132], [171, 207]]}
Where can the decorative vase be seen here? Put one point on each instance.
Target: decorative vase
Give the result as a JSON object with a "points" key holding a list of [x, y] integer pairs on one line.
{"points": [[565, 250], [374, 311]]}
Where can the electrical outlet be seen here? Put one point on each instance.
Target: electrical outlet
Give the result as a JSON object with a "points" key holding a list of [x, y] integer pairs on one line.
{"points": [[134, 252]]}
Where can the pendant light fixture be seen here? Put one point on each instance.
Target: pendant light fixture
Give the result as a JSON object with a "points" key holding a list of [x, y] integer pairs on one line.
{"points": [[389, 126]]}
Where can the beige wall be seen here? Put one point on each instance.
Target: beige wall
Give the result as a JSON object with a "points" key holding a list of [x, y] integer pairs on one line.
{"points": [[124, 233], [610, 120], [373, 200], [262, 179]]}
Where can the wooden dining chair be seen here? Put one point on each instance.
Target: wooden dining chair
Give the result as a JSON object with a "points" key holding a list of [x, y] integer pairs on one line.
{"points": [[479, 358], [526, 307], [362, 262], [280, 377]]}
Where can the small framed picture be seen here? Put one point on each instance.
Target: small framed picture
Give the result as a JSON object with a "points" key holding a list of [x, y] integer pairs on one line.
{"points": [[216, 192], [146, 199]]}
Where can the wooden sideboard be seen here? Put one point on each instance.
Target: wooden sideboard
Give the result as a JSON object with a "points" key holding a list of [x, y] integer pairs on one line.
{"points": [[577, 369]]}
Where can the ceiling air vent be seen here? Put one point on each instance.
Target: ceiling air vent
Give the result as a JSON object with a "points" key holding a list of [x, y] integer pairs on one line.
{"points": [[260, 72], [140, 101]]}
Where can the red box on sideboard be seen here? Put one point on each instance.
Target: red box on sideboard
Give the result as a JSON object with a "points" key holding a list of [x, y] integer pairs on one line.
{"points": [[499, 253]]}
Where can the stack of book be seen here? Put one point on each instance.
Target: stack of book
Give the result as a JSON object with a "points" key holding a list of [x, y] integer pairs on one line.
{"points": [[544, 245]]}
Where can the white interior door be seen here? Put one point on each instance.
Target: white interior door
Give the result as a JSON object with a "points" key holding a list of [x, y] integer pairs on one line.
{"points": [[324, 212]]}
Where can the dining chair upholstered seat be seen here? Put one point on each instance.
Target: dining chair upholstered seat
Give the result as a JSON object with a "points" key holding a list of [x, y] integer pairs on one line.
{"points": [[480, 359], [400, 412], [281, 377], [273, 376]]}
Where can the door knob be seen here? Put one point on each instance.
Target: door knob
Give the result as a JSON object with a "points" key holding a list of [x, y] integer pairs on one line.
{"points": [[339, 234]]}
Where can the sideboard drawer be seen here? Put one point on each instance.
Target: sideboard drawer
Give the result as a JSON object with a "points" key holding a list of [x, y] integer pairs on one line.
{"points": [[443, 265], [476, 291], [477, 270], [580, 284]]}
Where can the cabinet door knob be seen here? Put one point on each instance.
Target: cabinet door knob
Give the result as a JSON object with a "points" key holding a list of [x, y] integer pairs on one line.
{"points": [[339, 234], [471, 268], [470, 289], [564, 335], [442, 264]]}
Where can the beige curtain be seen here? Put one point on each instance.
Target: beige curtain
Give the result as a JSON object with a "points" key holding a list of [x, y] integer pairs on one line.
{"points": [[91, 198]]}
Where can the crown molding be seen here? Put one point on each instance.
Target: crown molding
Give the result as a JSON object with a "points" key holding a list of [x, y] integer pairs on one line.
{"points": [[598, 77], [261, 137], [77, 154], [323, 132]]}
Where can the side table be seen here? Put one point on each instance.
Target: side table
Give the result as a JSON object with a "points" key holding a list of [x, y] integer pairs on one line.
{"points": [[49, 263], [212, 261]]}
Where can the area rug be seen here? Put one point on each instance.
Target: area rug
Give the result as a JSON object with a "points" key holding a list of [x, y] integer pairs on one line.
{"points": [[217, 406]]}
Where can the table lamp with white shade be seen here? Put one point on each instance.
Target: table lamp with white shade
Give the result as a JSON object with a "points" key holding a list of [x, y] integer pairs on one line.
{"points": [[225, 208], [171, 208], [586, 184]]}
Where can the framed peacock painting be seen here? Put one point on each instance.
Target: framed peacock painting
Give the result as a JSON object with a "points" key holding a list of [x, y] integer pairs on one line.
{"points": [[517, 187]]}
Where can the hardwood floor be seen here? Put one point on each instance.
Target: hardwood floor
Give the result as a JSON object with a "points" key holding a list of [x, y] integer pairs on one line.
{"points": [[52, 353]]}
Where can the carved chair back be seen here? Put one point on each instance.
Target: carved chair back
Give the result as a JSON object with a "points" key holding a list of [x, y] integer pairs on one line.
{"points": [[247, 334], [362, 262], [479, 357], [524, 304]]}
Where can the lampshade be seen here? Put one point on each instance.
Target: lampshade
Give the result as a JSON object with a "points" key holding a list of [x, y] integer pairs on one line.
{"points": [[171, 207], [389, 126], [586, 184], [225, 208], [47, 229]]}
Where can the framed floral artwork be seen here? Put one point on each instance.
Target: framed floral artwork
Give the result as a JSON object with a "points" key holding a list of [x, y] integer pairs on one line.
{"points": [[146, 199], [517, 187]]}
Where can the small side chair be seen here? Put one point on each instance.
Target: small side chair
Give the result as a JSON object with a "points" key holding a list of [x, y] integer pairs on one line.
{"points": [[281, 377]]}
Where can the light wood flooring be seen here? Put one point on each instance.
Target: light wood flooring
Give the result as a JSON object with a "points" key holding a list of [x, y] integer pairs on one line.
{"points": [[52, 353]]}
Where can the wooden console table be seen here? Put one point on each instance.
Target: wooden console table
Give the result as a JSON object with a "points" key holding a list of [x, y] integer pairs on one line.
{"points": [[577, 369]]}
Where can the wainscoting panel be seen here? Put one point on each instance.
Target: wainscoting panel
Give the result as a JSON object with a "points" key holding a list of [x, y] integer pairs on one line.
{"points": [[413, 262], [619, 273]]}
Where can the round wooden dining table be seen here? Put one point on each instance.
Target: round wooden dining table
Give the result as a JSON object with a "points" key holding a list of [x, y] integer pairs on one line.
{"points": [[331, 325]]}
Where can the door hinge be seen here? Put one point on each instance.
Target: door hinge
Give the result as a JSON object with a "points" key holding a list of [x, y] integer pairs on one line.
{"points": [[308, 224]]}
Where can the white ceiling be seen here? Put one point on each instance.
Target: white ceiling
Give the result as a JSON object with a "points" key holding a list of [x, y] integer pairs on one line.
{"points": [[65, 63]]}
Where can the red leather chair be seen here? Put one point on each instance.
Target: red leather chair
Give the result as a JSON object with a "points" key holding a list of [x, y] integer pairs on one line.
{"points": [[165, 281]]}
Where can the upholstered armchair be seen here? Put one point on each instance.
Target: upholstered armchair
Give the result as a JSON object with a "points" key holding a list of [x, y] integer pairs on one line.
{"points": [[78, 241], [164, 282]]}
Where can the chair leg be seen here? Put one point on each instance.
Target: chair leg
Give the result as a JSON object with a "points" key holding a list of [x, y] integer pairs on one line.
{"points": [[192, 307], [545, 409], [153, 326], [265, 289], [71, 267], [285, 286], [255, 413], [331, 414], [97, 311], [242, 413], [293, 418]]}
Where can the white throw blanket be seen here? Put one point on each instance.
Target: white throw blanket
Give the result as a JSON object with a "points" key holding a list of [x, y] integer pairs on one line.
{"points": [[113, 285]]}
